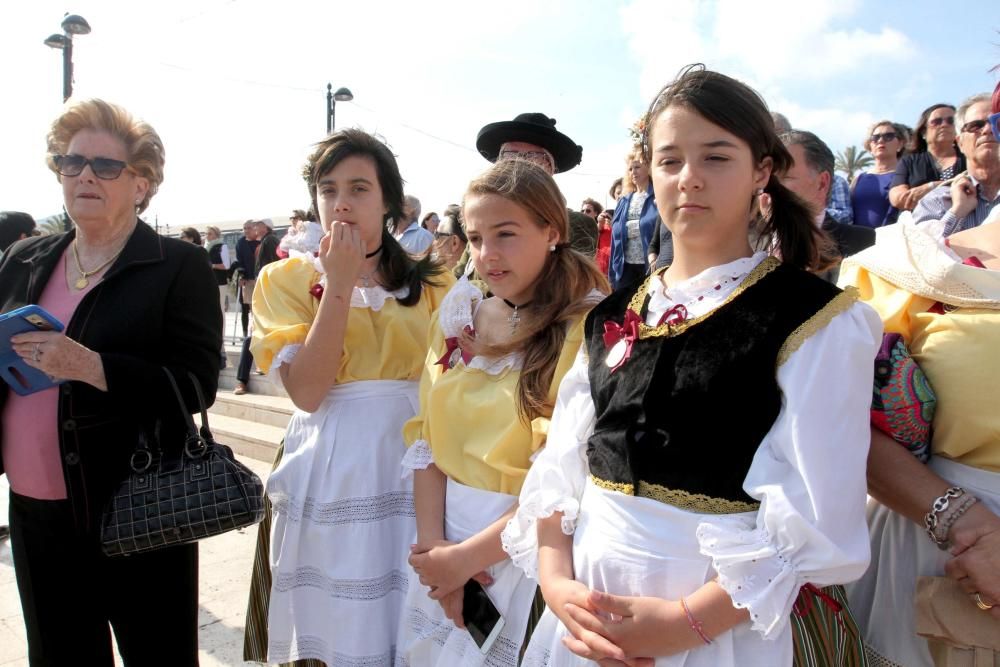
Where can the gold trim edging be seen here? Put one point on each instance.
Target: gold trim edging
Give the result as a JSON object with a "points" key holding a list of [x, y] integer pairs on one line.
{"points": [[692, 502], [645, 331], [807, 329]]}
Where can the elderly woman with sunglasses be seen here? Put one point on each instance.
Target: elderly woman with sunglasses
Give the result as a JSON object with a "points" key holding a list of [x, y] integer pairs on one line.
{"points": [[932, 156], [132, 303], [870, 190]]}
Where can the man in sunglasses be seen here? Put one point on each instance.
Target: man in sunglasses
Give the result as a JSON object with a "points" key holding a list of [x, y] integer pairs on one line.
{"points": [[967, 200]]}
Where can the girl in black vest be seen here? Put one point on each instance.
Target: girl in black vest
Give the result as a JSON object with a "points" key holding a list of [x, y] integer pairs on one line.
{"points": [[706, 458]]}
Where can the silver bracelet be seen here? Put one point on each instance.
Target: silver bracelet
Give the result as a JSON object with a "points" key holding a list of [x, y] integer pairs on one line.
{"points": [[938, 507]]}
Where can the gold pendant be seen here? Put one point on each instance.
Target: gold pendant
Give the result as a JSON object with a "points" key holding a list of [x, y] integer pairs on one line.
{"points": [[81, 283]]}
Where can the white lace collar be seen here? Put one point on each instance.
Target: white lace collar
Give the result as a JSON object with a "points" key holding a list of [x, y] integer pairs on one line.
{"points": [[373, 297], [913, 257], [704, 291]]}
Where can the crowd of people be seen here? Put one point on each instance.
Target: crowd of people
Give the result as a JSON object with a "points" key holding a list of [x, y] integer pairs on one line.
{"points": [[740, 418]]}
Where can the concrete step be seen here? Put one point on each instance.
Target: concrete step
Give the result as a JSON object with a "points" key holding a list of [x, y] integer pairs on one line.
{"points": [[259, 384], [257, 408], [258, 441]]}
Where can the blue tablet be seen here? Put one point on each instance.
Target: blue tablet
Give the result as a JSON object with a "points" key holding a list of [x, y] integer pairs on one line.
{"points": [[21, 377]]}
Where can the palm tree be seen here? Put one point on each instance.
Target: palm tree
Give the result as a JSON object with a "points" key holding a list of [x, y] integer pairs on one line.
{"points": [[850, 161]]}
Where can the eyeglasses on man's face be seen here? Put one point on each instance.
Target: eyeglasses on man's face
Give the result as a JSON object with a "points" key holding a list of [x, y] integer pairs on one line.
{"points": [[105, 168], [976, 126], [442, 235]]}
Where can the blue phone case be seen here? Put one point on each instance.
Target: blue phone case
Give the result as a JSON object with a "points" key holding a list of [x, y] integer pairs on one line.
{"points": [[21, 377]]}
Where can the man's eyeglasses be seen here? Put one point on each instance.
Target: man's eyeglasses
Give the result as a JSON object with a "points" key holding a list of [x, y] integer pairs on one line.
{"points": [[885, 136], [947, 120], [442, 235], [104, 168], [588, 211], [976, 126]]}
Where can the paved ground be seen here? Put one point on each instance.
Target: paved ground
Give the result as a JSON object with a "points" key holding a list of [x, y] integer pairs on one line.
{"points": [[225, 577]]}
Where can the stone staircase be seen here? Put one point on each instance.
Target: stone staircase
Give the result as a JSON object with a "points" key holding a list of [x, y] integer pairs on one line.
{"points": [[252, 424]]}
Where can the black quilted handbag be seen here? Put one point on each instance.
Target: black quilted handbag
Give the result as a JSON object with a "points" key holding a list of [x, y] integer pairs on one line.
{"points": [[204, 492]]}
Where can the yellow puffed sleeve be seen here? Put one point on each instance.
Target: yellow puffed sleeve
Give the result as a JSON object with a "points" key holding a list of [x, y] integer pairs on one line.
{"points": [[897, 307], [418, 426], [283, 309]]}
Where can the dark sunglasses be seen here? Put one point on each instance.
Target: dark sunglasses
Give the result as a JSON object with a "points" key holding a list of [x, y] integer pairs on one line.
{"points": [[947, 120], [995, 125], [885, 136], [975, 126], [442, 235], [589, 210], [104, 168]]}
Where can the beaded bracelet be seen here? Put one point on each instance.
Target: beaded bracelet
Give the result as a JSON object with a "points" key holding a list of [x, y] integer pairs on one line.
{"points": [[952, 515], [695, 624], [938, 507]]}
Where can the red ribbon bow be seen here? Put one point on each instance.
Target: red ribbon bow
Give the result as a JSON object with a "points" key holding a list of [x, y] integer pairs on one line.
{"points": [[627, 331], [675, 315], [316, 290], [452, 344], [804, 601]]}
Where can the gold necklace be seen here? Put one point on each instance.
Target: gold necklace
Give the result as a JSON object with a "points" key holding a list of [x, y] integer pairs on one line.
{"points": [[82, 281]]}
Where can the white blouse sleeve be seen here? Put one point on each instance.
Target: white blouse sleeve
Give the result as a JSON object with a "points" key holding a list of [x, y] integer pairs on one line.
{"points": [[809, 475], [557, 476]]}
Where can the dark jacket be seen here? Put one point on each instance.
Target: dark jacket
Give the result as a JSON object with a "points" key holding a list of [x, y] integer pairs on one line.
{"points": [[157, 305], [267, 252]]}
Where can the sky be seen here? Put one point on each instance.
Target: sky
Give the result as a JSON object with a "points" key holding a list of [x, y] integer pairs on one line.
{"points": [[237, 88]]}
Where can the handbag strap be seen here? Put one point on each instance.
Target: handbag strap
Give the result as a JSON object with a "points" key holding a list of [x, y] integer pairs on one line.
{"points": [[206, 432]]}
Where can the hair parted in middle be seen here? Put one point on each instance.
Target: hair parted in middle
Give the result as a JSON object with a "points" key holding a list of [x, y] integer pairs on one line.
{"points": [[396, 267], [740, 110], [564, 291]]}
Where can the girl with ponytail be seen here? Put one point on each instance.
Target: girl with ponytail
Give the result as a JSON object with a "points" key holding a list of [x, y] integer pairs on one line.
{"points": [[704, 477], [486, 397]]}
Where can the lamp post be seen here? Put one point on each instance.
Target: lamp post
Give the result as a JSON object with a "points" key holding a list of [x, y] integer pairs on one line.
{"points": [[342, 95], [72, 24]]}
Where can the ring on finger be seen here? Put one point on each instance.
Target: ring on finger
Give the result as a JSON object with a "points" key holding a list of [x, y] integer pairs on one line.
{"points": [[982, 605]]}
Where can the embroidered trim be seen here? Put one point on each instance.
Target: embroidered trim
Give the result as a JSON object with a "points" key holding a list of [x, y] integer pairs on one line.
{"points": [[645, 331], [695, 502], [808, 329], [305, 648], [692, 502], [418, 457], [347, 510], [375, 588]]}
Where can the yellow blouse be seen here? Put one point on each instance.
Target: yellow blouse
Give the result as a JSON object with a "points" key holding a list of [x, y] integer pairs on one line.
{"points": [[383, 341], [469, 418], [958, 351]]}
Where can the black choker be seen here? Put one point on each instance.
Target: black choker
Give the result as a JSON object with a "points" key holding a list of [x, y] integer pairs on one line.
{"points": [[373, 252], [514, 306]]}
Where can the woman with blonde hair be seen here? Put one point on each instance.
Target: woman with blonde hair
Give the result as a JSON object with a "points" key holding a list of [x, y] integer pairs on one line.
{"points": [[634, 223], [133, 303], [486, 396]]}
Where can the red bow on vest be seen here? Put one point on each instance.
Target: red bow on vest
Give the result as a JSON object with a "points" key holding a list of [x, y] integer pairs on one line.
{"points": [[619, 338], [316, 290]]}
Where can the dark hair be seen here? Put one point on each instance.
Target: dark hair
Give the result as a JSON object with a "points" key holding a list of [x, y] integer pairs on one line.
{"points": [[423, 221], [192, 234], [562, 292], [299, 214], [594, 204], [917, 142], [738, 109], [617, 183], [396, 267], [12, 225], [818, 155]]}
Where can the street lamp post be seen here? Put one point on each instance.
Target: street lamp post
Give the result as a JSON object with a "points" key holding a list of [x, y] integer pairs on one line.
{"points": [[342, 95], [72, 24]]}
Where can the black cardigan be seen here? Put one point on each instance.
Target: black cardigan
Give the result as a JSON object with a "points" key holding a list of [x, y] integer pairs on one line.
{"points": [[157, 306]]}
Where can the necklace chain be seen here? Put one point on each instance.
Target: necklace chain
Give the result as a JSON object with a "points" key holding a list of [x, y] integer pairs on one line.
{"points": [[82, 281]]}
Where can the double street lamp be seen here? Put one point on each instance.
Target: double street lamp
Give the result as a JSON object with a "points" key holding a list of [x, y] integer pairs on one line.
{"points": [[342, 95], [72, 24]]}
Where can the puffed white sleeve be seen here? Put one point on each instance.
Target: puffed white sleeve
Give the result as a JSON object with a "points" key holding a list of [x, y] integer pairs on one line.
{"points": [[809, 476], [558, 474]]}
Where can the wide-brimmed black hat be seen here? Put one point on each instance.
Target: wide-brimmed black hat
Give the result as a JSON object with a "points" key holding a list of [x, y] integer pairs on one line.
{"points": [[532, 128]]}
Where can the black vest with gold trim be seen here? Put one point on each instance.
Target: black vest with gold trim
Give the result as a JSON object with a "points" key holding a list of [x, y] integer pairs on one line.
{"points": [[681, 420]]}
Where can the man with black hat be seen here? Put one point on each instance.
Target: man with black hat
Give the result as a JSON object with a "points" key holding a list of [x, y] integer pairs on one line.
{"points": [[533, 136]]}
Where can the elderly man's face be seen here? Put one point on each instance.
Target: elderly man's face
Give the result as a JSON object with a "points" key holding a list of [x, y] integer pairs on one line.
{"points": [[979, 146], [531, 152], [806, 182], [250, 231]]}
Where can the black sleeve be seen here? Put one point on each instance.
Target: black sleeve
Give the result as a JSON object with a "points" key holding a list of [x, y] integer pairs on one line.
{"points": [[902, 175], [192, 335]]}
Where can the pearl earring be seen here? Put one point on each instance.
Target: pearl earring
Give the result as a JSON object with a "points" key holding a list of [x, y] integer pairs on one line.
{"points": [[552, 248]]}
